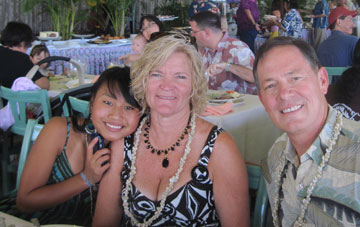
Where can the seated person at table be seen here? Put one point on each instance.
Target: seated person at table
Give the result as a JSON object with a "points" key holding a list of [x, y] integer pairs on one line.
{"points": [[61, 171], [228, 60], [137, 47], [312, 171], [38, 53], [345, 93], [174, 155], [338, 49], [16, 38], [150, 24]]}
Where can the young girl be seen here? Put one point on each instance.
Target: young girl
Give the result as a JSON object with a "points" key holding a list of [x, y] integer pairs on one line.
{"points": [[137, 47], [38, 53], [59, 177]]}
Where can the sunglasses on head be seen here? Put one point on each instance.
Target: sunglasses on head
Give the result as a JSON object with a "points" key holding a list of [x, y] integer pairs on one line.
{"points": [[178, 34]]}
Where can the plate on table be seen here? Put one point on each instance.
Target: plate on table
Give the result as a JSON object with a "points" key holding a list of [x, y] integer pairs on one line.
{"points": [[99, 41], [75, 83], [83, 36], [49, 38], [270, 17], [218, 97]]}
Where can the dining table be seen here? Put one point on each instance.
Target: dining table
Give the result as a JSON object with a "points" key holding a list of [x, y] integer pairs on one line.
{"points": [[60, 83], [251, 128], [12, 221], [96, 57]]}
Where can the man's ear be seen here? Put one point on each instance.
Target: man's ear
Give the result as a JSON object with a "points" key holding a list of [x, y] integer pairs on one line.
{"points": [[323, 80]]}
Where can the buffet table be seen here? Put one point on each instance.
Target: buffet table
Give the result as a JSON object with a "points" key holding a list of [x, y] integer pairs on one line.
{"points": [[97, 57], [251, 127]]}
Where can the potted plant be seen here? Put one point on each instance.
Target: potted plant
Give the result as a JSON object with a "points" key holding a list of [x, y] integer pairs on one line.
{"points": [[63, 14]]}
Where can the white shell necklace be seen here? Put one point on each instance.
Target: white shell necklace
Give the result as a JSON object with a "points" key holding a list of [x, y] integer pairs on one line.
{"points": [[172, 180], [305, 202]]}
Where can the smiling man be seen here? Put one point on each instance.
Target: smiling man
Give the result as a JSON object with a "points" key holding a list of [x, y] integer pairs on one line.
{"points": [[312, 171], [338, 49]]}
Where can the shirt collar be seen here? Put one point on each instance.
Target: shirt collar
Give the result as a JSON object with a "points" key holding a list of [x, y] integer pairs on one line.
{"points": [[318, 148], [220, 45]]}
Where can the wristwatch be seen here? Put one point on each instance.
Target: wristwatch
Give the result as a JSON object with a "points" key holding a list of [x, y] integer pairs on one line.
{"points": [[227, 67]]}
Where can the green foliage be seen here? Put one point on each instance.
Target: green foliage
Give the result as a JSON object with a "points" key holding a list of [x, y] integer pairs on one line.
{"points": [[173, 7], [116, 10], [63, 13]]}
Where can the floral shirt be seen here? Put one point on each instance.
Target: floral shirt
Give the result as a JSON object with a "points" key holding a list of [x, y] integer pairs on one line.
{"points": [[233, 51], [292, 24], [205, 5], [321, 7], [335, 200]]}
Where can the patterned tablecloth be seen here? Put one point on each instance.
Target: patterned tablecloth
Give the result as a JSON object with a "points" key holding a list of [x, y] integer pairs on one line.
{"points": [[97, 57]]}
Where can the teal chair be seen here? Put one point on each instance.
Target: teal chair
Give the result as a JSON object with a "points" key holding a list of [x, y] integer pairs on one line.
{"points": [[76, 104], [18, 101], [335, 71], [32, 131], [257, 183]]}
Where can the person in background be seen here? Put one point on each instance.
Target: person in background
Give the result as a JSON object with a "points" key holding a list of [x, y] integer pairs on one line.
{"points": [[320, 22], [63, 167], [312, 171], [38, 53], [338, 49], [276, 10], [203, 5], [228, 60], [292, 23], [137, 46], [177, 169], [247, 17], [150, 24], [16, 38], [344, 94]]}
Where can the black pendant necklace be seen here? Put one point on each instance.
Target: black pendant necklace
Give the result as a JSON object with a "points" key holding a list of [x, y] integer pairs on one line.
{"points": [[165, 162]]}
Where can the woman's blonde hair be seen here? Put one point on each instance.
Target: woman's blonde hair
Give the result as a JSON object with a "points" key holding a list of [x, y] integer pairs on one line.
{"points": [[156, 53]]}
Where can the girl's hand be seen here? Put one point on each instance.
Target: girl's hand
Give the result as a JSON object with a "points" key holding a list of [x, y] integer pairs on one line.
{"points": [[94, 163]]}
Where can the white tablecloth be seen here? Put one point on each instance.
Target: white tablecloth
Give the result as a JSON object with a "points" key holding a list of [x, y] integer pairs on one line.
{"points": [[12, 220], [96, 56], [251, 128]]}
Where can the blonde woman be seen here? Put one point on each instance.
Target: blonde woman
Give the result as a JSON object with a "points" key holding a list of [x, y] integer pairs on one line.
{"points": [[177, 169]]}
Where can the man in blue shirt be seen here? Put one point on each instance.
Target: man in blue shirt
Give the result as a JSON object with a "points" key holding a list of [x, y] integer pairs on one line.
{"points": [[320, 16], [338, 49]]}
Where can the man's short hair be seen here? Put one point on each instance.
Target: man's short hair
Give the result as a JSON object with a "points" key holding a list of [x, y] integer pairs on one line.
{"points": [[305, 49], [207, 19], [15, 33]]}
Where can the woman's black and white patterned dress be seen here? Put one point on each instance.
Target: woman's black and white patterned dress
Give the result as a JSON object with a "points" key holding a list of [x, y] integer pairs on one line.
{"points": [[191, 205]]}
